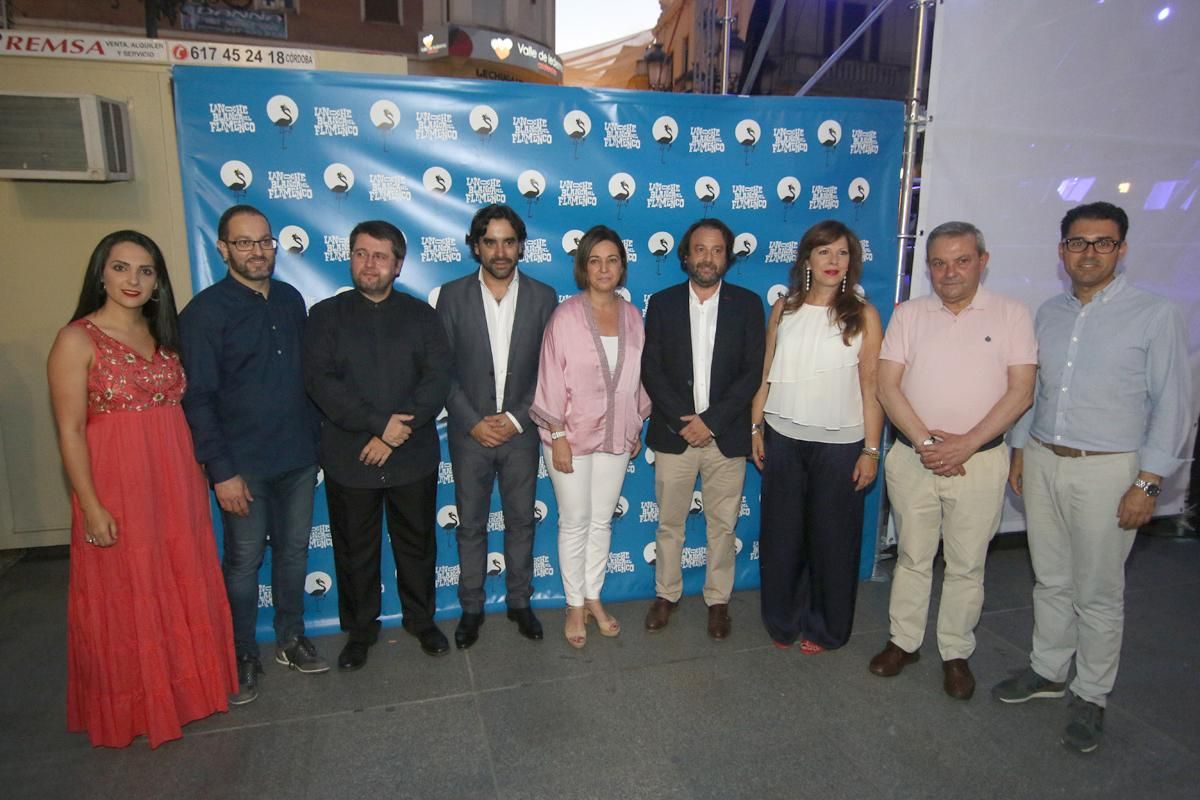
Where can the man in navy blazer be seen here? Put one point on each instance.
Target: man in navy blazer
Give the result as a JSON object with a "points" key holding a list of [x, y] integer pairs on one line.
{"points": [[494, 318], [701, 365]]}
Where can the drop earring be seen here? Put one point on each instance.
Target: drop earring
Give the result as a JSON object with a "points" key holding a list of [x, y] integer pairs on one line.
{"points": [[843, 284], [807, 279]]}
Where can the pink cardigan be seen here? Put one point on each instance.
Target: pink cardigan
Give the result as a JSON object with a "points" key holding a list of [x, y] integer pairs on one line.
{"points": [[601, 412]]}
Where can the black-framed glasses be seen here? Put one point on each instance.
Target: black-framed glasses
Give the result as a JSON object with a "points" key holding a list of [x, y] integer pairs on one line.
{"points": [[1077, 244], [246, 245]]}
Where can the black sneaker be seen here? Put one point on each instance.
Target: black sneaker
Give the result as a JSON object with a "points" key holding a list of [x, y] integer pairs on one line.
{"points": [[300, 655], [248, 671], [1086, 728], [1027, 685]]}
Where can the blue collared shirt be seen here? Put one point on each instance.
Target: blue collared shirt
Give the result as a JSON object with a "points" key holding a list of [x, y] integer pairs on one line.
{"points": [[245, 400], [1113, 376]]}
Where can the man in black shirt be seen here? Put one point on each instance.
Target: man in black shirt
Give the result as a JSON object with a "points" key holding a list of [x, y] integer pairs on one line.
{"points": [[377, 364], [255, 432]]}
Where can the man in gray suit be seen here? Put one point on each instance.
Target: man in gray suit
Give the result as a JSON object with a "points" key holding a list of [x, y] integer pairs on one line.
{"points": [[494, 319]]}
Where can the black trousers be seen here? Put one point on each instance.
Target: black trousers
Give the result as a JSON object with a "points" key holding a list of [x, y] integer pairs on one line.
{"points": [[810, 540], [356, 526]]}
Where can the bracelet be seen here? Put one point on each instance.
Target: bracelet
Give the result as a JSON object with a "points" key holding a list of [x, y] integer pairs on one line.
{"points": [[556, 435], [871, 452], [756, 427]]}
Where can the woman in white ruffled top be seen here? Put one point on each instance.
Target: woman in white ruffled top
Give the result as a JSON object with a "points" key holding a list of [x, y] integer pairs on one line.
{"points": [[817, 426]]}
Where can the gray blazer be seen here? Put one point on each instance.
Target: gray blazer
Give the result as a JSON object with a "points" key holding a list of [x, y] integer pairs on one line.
{"points": [[473, 382]]}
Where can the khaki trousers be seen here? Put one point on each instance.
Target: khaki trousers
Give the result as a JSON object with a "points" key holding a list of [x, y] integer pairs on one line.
{"points": [[1078, 555], [721, 481], [963, 513]]}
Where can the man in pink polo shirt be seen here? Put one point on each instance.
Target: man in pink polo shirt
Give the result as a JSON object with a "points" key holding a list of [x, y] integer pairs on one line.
{"points": [[956, 371]]}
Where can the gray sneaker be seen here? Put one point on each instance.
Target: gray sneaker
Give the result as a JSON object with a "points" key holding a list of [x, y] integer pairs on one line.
{"points": [[1086, 728], [1027, 685], [300, 655], [248, 670]]}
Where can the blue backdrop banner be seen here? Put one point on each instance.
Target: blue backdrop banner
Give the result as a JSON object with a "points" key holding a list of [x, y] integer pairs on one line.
{"points": [[319, 152]]}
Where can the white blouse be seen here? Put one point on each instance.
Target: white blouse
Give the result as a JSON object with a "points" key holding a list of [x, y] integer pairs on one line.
{"points": [[814, 393]]}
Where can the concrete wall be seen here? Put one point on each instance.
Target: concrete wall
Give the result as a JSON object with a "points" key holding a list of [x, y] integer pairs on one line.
{"points": [[48, 230]]}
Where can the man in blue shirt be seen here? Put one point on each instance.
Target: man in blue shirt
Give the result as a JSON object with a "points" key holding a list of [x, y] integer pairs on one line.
{"points": [[255, 432], [1109, 422]]}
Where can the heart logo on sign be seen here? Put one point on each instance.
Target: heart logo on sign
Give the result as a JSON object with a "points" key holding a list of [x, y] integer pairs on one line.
{"points": [[427, 41], [502, 47]]}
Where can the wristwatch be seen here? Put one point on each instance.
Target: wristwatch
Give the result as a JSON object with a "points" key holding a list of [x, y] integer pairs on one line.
{"points": [[1151, 489], [555, 435], [932, 440]]}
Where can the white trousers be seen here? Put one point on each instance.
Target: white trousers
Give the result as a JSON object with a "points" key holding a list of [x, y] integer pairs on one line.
{"points": [[1078, 553], [586, 499]]}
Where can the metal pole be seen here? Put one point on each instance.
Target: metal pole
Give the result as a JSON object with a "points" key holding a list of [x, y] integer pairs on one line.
{"points": [[760, 54], [836, 54], [914, 123], [914, 120], [726, 38]]}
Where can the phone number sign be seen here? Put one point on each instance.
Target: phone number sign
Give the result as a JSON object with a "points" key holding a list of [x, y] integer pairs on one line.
{"points": [[230, 55]]}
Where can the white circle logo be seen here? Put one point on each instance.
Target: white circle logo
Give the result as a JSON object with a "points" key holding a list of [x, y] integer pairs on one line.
{"points": [[317, 584], [339, 178], [650, 553], [495, 564], [447, 517], [293, 239], [483, 120], [437, 179]]}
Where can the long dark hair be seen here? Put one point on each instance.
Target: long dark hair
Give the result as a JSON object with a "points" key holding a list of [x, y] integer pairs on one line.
{"points": [[846, 308], [159, 311]]}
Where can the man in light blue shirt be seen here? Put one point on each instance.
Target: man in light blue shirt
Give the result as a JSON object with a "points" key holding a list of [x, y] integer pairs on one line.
{"points": [[1110, 420]]}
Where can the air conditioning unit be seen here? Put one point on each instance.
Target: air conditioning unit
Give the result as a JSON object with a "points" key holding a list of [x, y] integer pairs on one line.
{"points": [[64, 137]]}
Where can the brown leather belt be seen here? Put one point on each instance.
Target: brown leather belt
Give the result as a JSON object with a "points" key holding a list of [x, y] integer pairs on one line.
{"points": [[1074, 452]]}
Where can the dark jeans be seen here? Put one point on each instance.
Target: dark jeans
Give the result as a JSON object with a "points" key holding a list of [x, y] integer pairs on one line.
{"points": [[810, 540], [356, 525], [282, 515]]}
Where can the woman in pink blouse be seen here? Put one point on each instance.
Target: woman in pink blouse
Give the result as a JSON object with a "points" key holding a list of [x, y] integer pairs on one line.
{"points": [[589, 407]]}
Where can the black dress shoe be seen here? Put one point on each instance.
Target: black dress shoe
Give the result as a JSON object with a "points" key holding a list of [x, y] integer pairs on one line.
{"points": [[467, 632], [433, 641], [353, 656], [527, 623]]}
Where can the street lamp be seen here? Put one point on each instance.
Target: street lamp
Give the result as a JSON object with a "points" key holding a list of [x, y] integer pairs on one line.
{"points": [[656, 66]]}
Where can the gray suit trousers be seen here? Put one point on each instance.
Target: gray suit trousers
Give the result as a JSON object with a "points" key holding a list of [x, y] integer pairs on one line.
{"points": [[475, 470]]}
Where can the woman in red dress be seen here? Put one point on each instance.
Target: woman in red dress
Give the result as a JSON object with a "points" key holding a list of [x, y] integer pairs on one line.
{"points": [[149, 637]]}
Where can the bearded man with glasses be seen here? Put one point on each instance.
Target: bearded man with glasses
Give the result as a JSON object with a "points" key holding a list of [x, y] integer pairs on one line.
{"points": [[255, 434], [1109, 421]]}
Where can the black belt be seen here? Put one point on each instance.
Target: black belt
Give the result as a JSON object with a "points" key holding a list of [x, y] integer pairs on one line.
{"points": [[999, 440]]}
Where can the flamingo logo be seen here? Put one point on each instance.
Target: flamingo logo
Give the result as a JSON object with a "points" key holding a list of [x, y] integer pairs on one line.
{"points": [[293, 239], [577, 126], [339, 179], [660, 245], [317, 584], [540, 512], [447, 517], [283, 112], [483, 120], [437, 180], [744, 244], [570, 241], [829, 133], [531, 184], [788, 189], [650, 553], [621, 509], [385, 116], [495, 564], [747, 133], [237, 177], [665, 130], [621, 186], [707, 191]]}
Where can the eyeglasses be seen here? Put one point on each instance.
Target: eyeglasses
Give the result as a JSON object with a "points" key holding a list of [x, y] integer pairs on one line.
{"points": [[374, 258], [1103, 246], [246, 245]]}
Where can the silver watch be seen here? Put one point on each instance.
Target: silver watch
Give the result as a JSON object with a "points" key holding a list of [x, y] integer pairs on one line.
{"points": [[1151, 489]]}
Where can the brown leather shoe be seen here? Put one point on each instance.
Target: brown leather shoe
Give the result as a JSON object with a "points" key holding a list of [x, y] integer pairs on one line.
{"points": [[659, 614], [718, 621], [959, 683], [891, 660]]}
